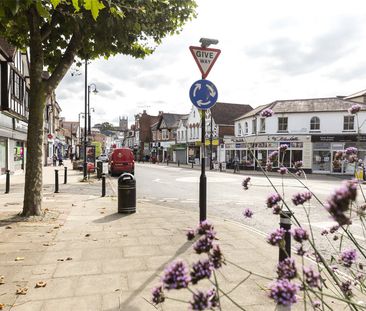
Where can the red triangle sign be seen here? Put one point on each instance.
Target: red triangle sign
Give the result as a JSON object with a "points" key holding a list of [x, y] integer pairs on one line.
{"points": [[205, 58]]}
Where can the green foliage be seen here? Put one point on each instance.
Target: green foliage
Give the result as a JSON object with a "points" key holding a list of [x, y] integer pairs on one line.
{"points": [[106, 126], [98, 148], [106, 27]]}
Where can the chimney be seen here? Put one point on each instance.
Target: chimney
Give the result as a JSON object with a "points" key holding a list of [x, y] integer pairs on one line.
{"points": [[144, 112]]}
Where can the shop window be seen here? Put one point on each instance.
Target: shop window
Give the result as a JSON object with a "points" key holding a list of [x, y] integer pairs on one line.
{"points": [[246, 127], [262, 127], [254, 126], [296, 155], [285, 158], [282, 124], [348, 123], [315, 124]]}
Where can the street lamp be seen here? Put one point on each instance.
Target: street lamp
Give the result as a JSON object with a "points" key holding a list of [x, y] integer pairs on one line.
{"points": [[205, 42], [95, 91], [80, 138]]}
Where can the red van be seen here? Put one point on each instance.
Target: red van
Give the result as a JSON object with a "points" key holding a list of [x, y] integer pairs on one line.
{"points": [[121, 160]]}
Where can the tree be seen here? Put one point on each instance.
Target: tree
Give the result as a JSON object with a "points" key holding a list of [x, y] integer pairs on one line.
{"points": [[58, 31], [105, 126]]}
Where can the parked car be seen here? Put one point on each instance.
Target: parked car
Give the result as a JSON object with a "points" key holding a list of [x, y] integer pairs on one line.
{"points": [[121, 160], [103, 157]]}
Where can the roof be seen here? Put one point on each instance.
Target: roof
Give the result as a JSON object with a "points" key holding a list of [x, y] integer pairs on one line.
{"points": [[7, 49], [225, 113], [306, 105], [358, 94], [171, 119]]}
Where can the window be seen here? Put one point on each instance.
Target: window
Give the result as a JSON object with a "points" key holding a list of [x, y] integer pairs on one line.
{"points": [[262, 127], [349, 123], [254, 126], [246, 127], [315, 124], [240, 132], [282, 124], [165, 134]]}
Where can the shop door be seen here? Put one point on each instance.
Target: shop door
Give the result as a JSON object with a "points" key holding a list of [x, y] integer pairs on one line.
{"points": [[337, 165], [322, 161]]}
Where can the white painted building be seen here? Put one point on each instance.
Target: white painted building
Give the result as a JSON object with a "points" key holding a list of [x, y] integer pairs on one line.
{"points": [[314, 129]]}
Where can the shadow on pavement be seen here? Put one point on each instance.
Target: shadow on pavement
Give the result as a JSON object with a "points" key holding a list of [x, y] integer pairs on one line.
{"points": [[111, 217]]}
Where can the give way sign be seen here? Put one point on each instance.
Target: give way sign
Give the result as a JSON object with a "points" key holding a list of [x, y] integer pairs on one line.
{"points": [[205, 58]]}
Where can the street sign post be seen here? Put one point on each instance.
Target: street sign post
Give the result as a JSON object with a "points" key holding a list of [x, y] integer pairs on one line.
{"points": [[203, 94], [205, 58]]}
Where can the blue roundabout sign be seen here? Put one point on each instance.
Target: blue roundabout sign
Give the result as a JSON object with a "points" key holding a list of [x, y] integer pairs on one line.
{"points": [[203, 94]]}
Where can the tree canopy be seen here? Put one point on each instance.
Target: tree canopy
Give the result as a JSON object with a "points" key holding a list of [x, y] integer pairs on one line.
{"points": [[59, 31]]}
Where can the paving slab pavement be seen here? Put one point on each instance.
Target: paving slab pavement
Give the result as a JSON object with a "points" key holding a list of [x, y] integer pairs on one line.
{"points": [[93, 258]]}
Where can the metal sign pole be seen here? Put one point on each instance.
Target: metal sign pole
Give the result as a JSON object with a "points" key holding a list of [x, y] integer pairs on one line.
{"points": [[203, 179]]}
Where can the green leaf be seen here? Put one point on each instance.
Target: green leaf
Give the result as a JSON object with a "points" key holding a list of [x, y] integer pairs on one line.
{"points": [[75, 3], [42, 11], [94, 6], [55, 3]]}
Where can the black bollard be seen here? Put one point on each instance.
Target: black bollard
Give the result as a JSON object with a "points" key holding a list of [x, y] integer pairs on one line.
{"points": [[167, 162], [178, 163], [56, 181], [7, 185], [65, 175], [192, 164], [103, 185], [285, 223]]}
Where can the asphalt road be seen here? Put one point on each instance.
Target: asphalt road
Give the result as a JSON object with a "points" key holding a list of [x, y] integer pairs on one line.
{"points": [[179, 188]]}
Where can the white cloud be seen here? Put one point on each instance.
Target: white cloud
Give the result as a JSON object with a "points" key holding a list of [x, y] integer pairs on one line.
{"points": [[270, 50]]}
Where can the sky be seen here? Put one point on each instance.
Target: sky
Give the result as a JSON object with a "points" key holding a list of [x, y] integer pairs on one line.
{"points": [[270, 50]]}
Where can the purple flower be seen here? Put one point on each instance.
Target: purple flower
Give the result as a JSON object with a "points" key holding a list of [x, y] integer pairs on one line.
{"points": [[203, 245], [273, 155], [204, 227], [286, 269], [301, 198], [324, 232], [157, 294], [245, 183], [283, 147], [275, 237], [203, 301], [340, 200], [248, 213], [346, 288], [276, 209], [300, 251], [282, 170], [300, 235], [298, 164], [176, 275], [348, 257], [333, 229], [266, 113], [284, 292], [268, 166], [273, 199], [354, 108], [311, 277], [216, 257], [200, 270], [190, 234], [298, 173], [350, 150]]}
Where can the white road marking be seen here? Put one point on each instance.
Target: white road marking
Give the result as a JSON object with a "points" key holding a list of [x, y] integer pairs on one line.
{"points": [[195, 179]]}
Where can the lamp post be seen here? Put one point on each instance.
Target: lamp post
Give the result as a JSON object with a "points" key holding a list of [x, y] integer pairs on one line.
{"points": [[205, 42], [95, 91], [80, 139], [85, 119]]}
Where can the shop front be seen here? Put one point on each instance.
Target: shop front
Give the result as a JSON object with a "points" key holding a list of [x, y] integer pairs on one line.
{"points": [[326, 146], [194, 152], [253, 152]]}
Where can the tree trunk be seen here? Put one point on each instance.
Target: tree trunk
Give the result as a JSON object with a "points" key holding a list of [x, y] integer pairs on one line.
{"points": [[33, 175]]}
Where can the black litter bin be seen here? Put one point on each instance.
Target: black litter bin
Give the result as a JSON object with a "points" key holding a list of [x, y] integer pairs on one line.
{"points": [[126, 193], [99, 169]]}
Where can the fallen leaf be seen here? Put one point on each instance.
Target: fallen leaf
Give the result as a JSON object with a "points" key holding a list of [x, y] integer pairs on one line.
{"points": [[8, 227], [56, 227], [49, 231], [22, 291], [102, 212], [69, 258], [86, 235], [125, 235], [2, 306], [41, 284], [2, 279], [117, 290], [46, 244], [46, 209], [60, 259], [73, 204], [19, 259]]}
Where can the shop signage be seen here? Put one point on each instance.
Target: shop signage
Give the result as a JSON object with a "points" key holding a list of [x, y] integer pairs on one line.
{"points": [[21, 126], [338, 138], [283, 138]]}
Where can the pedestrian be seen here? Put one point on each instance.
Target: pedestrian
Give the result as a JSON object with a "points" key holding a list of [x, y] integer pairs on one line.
{"points": [[60, 161], [54, 159]]}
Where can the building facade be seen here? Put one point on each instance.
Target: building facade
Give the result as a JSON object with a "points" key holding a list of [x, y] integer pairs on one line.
{"points": [[313, 129]]}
